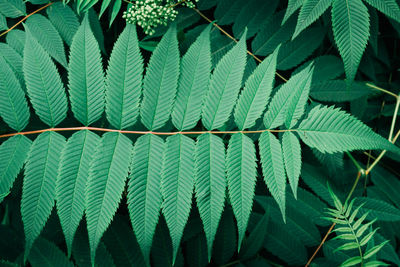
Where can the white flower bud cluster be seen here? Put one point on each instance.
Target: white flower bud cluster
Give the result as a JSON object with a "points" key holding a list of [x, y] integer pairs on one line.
{"points": [[149, 14]]}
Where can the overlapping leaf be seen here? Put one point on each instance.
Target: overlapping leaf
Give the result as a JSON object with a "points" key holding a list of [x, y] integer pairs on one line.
{"points": [[39, 189], [160, 82], [292, 157], [255, 95], [13, 153], [241, 172], [12, 8], [46, 254], [13, 106], [71, 181], [210, 183], [224, 87], [124, 80], [193, 82], [177, 186], [144, 196], [64, 20], [105, 184], [43, 83], [85, 76]]}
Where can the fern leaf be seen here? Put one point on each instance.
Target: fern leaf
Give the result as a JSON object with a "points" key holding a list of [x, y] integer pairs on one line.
{"points": [[296, 51], [177, 186], [106, 181], [255, 95], [160, 82], [298, 100], [378, 209], [331, 130], [46, 254], [224, 87], [14, 60], [193, 82], [241, 173], [43, 83], [48, 37], [144, 196], [39, 188], [71, 181], [85, 76], [292, 157], [124, 80], [210, 184], [12, 8], [273, 168], [388, 7], [64, 20], [16, 39], [350, 22], [13, 153], [13, 106], [310, 11], [292, 91], [293, 6]]}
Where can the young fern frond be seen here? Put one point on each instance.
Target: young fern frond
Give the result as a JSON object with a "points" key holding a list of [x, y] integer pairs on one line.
{"points": [[355, 233]]}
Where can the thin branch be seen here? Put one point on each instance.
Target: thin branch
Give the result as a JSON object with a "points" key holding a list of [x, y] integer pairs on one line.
{"points": [[141, 132], [382, 90], [24, 18], [231, 37]]}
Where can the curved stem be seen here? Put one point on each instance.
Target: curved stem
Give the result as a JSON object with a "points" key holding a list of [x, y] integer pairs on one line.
{"points": [[141, 132], [24, 18]]}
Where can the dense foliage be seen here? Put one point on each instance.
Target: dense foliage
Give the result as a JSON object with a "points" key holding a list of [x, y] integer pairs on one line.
{"points": [[176, 143]]}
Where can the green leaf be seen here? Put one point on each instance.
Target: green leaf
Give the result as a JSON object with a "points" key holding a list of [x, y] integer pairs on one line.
{"points": [[13, 153], [124, 80], [254, 242], [372, 251], [12, 8], [177, 186], [144, 196], [297, 102], [210, 184], [388, 7], [16, 39], [255, 95], [13, 106], [225, 238], [160, 82], [121, 243], [39, 188], [64, 20], [296, 51], [272, 34], [71, 181], [310, 11], [292, 157], [85, 76], [293, 5], [193, 82], [48, 37], [46, 254], [379, 209], [330, 130], [14, 60], [273, 168], [3, 23], [114, 10], [43, 82], [96, 28], [106, 181], [350, 23], [338, 91], [352, 261], [292, 92], [104, 6], [241, 172], [225, 84]]}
